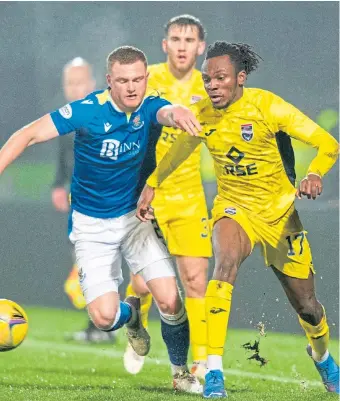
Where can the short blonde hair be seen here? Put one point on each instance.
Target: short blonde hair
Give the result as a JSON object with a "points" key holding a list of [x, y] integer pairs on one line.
{"points": [[125, 55]]}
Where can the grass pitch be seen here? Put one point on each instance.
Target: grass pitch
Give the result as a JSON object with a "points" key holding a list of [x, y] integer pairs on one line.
{"points": [[46, 367]]}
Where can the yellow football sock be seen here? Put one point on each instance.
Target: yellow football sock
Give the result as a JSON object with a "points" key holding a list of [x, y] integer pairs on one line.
{"points": [[145, 304], [217, 306], [73, 289], [198, 328], [318, 336]]}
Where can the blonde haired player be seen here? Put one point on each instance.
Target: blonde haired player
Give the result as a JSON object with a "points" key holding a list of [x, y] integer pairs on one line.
{"points": [[183, 223], [247, 132], [78, 82]]}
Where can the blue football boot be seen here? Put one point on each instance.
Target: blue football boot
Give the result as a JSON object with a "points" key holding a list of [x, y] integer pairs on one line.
{"points": [[214, 385], [329, 372]]}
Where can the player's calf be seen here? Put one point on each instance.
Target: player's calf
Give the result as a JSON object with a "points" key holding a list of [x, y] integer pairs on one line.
{"points": [[175, 333]]}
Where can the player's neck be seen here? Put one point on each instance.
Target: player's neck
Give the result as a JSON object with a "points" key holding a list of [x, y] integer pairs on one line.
{"points": [[181, 76]]}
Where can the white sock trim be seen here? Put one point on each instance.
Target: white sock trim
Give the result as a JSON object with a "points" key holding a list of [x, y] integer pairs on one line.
{"points": [[319, 359], [214, 362], [178, 369], [175, 320]]}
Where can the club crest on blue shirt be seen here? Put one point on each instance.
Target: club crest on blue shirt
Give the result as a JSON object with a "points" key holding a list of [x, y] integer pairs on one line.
{"points": [[137, 123], [247, 132]]}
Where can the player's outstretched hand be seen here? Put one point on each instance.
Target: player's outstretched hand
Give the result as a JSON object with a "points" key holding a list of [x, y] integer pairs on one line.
{"points": [[184, 119], [144, 210], [60, 199], [310, 186]]}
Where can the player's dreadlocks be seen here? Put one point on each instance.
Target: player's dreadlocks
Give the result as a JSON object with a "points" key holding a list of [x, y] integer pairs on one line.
{"points": [[241, 54]]}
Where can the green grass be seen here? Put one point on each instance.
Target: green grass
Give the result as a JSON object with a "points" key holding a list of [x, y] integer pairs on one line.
{"points": [[48, 368]]}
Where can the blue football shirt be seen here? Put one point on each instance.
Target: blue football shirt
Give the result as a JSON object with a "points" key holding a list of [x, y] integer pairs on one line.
{"points": [[110, 148]]}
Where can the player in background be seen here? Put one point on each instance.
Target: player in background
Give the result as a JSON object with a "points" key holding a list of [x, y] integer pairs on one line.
{"points": [[111, 141], [183, 223], [247, 132], [78, 82]]}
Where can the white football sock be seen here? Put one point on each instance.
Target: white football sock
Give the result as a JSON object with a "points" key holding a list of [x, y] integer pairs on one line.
{"points": [[215, 363], [178, 369], [319, 359]]}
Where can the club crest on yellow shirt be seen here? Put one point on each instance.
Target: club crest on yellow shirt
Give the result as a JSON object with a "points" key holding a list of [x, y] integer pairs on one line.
{"points": [[247, 132], [195, 98]]}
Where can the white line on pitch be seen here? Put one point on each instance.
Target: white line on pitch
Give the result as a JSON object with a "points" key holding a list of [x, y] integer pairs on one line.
{"points": [[46, 345]]}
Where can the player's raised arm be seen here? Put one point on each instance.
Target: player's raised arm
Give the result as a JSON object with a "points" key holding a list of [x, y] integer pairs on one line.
{"points": [[181, 117], [40, 130], [297, 125], [177, 154]]}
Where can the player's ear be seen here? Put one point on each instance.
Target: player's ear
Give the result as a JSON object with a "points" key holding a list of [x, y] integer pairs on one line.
{"points": [[165, 46], [108, 80], [241, 78], [201, 48]]}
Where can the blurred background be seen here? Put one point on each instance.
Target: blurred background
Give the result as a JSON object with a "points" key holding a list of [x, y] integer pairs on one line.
{"points": [[299, 43]]}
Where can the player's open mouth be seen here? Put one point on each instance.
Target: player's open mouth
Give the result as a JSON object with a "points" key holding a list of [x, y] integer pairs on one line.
{"points": [[182, 58], [216, 98], [131, 97]]}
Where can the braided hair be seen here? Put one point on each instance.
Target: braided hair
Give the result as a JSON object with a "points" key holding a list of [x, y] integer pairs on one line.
{"points": [[240, 54]]}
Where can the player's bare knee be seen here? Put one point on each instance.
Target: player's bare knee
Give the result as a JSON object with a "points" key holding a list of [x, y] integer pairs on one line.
{"points": [[193, 274], [139, 286], [141, 291], [194, 285], [170, 305], [103, 319], [226, 268], [310, 310]]}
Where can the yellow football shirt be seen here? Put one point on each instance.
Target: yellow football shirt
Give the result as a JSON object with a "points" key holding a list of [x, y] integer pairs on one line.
{"points": [[253, 157], [187, 179]]}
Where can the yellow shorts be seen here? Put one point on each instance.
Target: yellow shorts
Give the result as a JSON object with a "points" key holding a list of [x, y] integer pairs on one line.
{"points": [[284, 243], [185, 226]]}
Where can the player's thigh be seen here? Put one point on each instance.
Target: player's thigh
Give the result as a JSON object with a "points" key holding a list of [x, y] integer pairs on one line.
{"points": [[99, 262], [286, 247]]}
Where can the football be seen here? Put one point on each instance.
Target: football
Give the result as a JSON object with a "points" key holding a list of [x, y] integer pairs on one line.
{"points": [[13, 325]]}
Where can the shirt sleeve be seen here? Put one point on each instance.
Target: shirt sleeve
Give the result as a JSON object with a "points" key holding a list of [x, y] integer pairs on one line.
{"points": [[155, 103], [287, 118], [177, 154], [72, 116]]}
